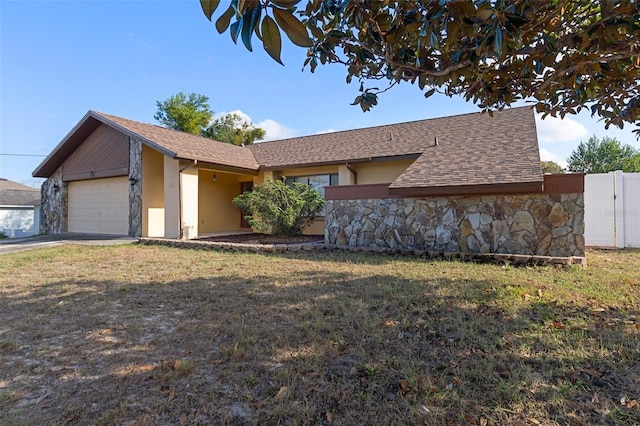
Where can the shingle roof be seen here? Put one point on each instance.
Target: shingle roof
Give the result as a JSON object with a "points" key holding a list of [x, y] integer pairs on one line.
{"points": [[184, 145], [478, 149], [16, 194], [172, 143], [337, 147], [473, 149]]}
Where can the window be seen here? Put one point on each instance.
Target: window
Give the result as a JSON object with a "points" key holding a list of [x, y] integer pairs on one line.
{"points": [[317, 182]]}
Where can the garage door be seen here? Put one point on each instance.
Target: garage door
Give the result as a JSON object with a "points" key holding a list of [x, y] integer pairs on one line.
{"points": [[99, 206]]}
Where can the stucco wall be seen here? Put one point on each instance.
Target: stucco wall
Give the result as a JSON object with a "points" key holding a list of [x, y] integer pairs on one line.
{"points": [[53, 213], [380, 172], [540, 224], [18, 221], [216, 211], [152, 193]]}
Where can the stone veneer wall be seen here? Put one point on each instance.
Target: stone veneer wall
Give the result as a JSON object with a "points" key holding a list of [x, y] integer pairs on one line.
{"points": [[53, 211], [531, 224], [135, 189]]}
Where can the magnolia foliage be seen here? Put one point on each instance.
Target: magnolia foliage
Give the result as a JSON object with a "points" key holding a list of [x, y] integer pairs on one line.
{"points": [[560, 55]]}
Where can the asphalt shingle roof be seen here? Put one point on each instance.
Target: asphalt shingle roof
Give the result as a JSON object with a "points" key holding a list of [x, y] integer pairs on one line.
{"points": [[185, 145], [16, 194], [472, 149]]}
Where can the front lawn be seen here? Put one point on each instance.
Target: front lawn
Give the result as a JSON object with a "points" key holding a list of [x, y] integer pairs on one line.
{"points": [[146, 335]]}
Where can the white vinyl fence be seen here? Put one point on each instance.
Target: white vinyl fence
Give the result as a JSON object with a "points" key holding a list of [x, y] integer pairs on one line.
{"points": [[612, 209]]}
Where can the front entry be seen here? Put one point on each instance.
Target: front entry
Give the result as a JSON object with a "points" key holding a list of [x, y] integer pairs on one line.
{"points": [[245, 187]]}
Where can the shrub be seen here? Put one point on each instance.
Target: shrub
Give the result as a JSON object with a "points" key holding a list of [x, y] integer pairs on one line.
{"points": [[280, 209]]}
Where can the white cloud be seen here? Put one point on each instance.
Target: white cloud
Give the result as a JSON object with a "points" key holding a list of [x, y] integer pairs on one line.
{"points": [[546, 155], [274, 129], [555, 129], [321, 132]]}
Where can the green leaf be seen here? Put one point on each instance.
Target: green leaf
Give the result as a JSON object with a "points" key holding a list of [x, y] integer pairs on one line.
{"points": [[249, 21], [271, 38], [235, 30], [430, 92], [293, 28], [497, 41], [208, 7], [223, 21]]}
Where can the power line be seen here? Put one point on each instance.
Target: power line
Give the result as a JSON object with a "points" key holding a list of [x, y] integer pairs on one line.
{"points": [[22, 155]]}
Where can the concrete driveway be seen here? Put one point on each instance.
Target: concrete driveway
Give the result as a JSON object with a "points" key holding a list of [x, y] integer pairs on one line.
{"points": [[31, 243]]}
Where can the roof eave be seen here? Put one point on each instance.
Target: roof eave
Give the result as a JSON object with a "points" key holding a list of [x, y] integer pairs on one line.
{"points": [[224, 167], [399, 157], [41, 170], [55, 159]]}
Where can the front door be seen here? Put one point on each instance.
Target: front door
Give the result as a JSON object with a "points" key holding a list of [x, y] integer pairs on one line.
{"points": [[245, 187]]}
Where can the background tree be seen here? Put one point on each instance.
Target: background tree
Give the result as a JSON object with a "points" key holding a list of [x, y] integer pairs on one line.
{"points": [[280, 209], [192, 114], [232, 128], [603, 155], [551, 167], [187, 113], [562, 55]]}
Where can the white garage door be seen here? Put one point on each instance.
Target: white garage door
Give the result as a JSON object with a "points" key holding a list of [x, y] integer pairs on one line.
{"points": [[99, 206]]}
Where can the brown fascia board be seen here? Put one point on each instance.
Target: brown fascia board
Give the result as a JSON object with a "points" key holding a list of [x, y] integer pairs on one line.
{"points": [[484, 189], [67, 145], [315, 164], [338, 162], [219, 167]]}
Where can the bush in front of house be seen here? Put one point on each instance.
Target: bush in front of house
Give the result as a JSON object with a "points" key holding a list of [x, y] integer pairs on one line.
{"points": [[277, 208]]}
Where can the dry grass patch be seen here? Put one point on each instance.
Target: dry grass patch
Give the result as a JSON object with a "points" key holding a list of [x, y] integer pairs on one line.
{"points": [[152, 335]]}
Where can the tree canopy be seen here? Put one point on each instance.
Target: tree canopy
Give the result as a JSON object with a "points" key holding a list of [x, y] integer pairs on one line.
{"points": [[187, 113], [603, 156], [561, 55], [233, 129], [192, 114], [551, 167]]}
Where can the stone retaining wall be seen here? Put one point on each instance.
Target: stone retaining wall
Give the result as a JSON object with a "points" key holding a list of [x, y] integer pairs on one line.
{"points": [[531, 224], [515, 259]]}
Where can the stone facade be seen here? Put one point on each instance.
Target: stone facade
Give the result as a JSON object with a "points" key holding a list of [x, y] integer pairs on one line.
{"points": [[53, 211], [135, 189], [530, 224]]}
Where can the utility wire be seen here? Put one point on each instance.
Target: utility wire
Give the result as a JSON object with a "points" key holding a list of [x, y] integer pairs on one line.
{"points": [[22, 155]]}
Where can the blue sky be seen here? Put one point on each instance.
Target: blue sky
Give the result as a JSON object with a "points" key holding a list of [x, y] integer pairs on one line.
{"points": [[59, 59]]}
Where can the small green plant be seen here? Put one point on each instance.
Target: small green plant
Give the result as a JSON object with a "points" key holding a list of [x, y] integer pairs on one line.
{"points": [[280, 209], [3, 236]]}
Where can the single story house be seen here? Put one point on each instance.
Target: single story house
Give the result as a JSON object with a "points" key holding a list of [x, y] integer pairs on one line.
{"points": [[19, 209], [469, 182]]}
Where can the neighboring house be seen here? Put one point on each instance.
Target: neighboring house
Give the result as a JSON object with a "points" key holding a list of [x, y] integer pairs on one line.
{"points": [[19, 209], [464, 183]]}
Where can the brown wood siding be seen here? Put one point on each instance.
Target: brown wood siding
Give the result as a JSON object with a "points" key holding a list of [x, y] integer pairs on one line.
{"points": [[104, 153]]}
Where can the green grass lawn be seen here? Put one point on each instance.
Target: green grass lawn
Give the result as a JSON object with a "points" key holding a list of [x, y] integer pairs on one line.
{"points": [[146, 335]]}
